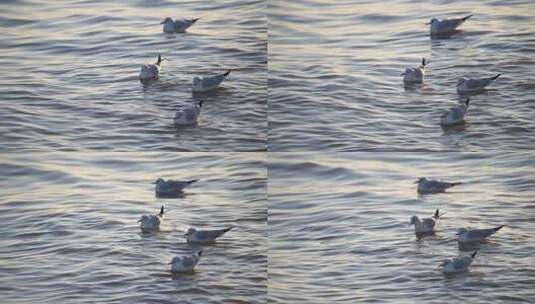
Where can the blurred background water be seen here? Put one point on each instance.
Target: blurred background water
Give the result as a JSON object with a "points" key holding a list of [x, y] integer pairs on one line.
{"points": [[70, 72], [335, 84], [339, 228], [70, 231]]}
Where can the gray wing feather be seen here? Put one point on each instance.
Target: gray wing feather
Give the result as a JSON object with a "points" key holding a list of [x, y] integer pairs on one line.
{"points": [[480, 233], [462, 263], [209, 82]]}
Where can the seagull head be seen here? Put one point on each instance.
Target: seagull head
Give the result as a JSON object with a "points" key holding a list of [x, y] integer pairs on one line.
{"points": [[433, 20], [190, 231], [461, 81], [158, 181], [143, 218], [414, 219], [167, 20], [421, 179], [197, 80], [174, 260], [461, 231]]}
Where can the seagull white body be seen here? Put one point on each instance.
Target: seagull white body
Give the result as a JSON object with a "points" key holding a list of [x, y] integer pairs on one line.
{"points": [[457, 265], [476, 235], [414, 75], [468, 85], [445, 26], [178, 25], [208, 83], [150, 71], [185, 263], [425, 226], [151, 223], [171, 187], [433, 186], [454, 115], [188, 116], [204, 236]]}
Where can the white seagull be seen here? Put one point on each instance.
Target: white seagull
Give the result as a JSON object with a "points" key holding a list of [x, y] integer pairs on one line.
{"points": [[426, 225], [151, 223], [455, 115], [185, 263], [433, 186], [445, 26], [151, 71], [177, 26], [467, 85], [171, 187], [456, 265], [204, 236], [188, 116], [476, 235], [415, 75], [205, 84]]}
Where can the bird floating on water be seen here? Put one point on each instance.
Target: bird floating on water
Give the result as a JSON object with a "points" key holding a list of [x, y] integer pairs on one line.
{"points": [[426, 186], [425, 226], [171, 187], [151, 71], [188, 115], [177, 26], [468, 85], [185, 263], [151, 223], [207, 83], [455, 115], [415, 75], [204, 236], [476, 235], [445, 26], [457, 265]]}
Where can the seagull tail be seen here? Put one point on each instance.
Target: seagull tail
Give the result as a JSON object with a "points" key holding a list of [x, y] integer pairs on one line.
{"points": [[227, 229], [227, 72], [498, 228], [473, 255], [159, 60], [456, 183], [467, 17], [192, 181], [194, 20], [494, 78]]}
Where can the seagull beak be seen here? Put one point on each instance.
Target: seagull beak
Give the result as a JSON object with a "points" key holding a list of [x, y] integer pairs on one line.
{"points": [[402, 74], [428, 23], [169, 263], [163, 23], [153, 183]]}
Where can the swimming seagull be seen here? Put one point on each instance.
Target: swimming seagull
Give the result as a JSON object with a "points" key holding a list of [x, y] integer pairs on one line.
{"points": [[456, 265], [177, 26], [171, 187], [151, 223], [204, 236], [455, 115], [467, 85], [433, 186], [426, 225], [188, 116], [185, 263], [476, 235], [151, 71], [205, 84], [415, 75], [445, 26]]}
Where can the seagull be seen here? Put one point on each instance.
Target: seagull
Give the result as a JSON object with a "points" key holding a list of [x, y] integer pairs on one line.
{"points": [[455, 115], [205, 84], [151, 223], [204, 236], [415, 75], [171, 187], [456, 265], [476, 235], [467, 85], [426, 225], [188, 115], [177, 26], [151, 71], [445, 26], [433, 186], [185, 263]]}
